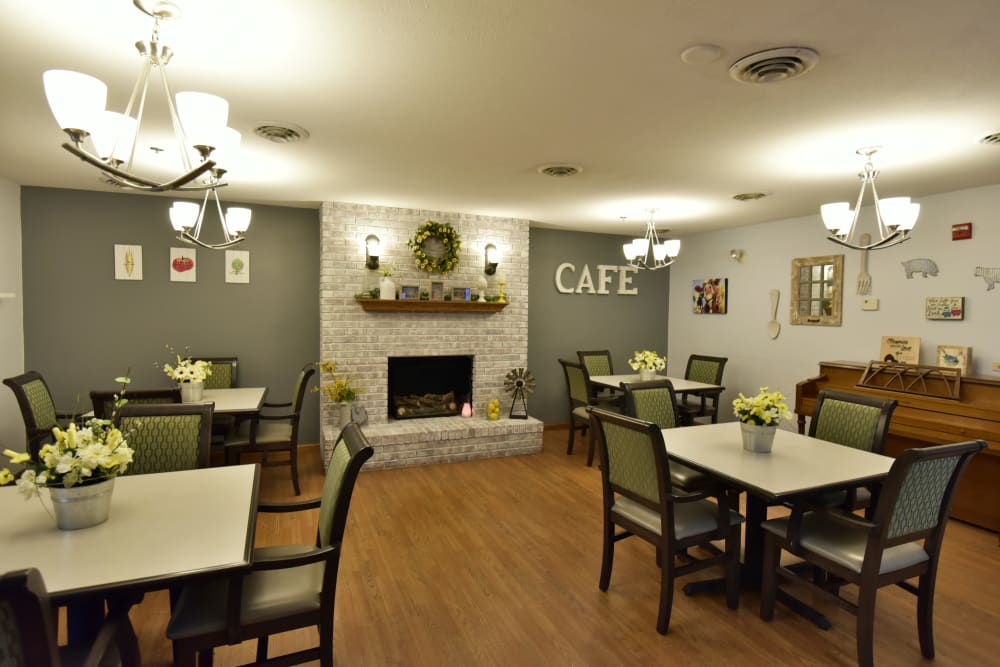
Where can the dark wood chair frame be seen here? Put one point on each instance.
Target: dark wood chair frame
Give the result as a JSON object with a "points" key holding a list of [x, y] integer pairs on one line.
{"points": [[234, 452], [666, 543], [36, 435], [24, 590], [101, 398], [869, 580], [702, 408], [576, 423], [205, 410], [235, 633], [601, 394]]}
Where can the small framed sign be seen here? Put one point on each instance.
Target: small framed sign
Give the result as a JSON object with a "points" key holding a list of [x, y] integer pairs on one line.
{"points": [[944, 308], [410, 292], [954, 356], [437, 290], [961, 231], [900, 349], [460, 293]]}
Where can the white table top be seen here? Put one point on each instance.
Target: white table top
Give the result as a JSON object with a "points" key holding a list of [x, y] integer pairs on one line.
{"points": [[681, 385], [235, 400], [797, 463], [164, 527]]}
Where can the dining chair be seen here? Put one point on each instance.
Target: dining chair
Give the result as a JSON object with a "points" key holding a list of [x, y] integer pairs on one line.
{"points": [[598, 362], [901, 541], [224, 376], [287, 587], [104, 400], [853, 420], [580, 393], [166, 437], [269, 432], [37, 409], [640, 499], [28, 636], [703, 368], [656, 402]]}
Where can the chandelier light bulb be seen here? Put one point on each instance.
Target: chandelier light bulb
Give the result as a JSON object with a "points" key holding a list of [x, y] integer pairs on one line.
{"points": [[74, 98], [183, 215], [113, 135], [203, 117], [837, 216], [237, 220]]}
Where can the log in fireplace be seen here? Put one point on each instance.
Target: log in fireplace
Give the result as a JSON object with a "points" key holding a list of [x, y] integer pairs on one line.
{"points": [[434, 386]]}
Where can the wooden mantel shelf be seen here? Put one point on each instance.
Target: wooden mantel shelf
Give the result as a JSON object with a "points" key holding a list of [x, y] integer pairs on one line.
{"points": [[415, 306]]}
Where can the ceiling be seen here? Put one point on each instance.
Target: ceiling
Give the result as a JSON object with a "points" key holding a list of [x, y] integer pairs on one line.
{"points": [[453, 105]]}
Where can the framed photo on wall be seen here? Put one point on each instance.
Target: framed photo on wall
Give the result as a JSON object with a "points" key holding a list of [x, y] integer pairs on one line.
{"points": [[183, 265], [237, 266], [709, 295], [128, 262]]}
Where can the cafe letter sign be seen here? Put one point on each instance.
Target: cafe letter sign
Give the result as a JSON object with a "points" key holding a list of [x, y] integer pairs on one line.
{"points": [[571, 281]]}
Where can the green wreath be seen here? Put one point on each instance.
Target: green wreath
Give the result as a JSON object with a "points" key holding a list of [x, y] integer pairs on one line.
{"points": [[444, 257]]}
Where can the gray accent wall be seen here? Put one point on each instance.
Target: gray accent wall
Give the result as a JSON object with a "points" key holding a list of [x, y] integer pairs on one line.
{"points": [[11, 325], [82, 328], [561, 324]]}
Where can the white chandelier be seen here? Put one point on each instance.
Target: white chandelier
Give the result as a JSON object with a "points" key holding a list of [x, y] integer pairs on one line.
{"points": [[664, 254], [895, 216], [199, 122]]}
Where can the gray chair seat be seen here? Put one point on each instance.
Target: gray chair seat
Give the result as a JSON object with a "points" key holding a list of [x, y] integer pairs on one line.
{"points": [[846, 544], [267, 434], [690, 519], [267, 595]]}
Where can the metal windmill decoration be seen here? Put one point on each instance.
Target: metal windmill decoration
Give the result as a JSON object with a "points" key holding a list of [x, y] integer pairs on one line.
{"points": [[519, 383]]}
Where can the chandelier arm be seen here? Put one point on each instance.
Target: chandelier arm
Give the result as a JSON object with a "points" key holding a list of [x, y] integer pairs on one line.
{"points": [[883, 228], [196, 232], [175, 120], [139, 183], [222, 218], [188, 238], [895, 238], [138, 95]]}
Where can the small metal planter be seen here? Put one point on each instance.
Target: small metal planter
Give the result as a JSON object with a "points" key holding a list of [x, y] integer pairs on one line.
{"points": [[83, 505], [758, 439]]}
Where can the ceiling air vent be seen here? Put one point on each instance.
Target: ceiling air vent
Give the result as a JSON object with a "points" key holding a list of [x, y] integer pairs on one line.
{"points": [[281, 133], [559, 170], [991, 139], [774, 65], [749, 196]]}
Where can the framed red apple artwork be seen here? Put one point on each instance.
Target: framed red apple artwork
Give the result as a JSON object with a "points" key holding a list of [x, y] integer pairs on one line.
{"points": [[183, 265]]}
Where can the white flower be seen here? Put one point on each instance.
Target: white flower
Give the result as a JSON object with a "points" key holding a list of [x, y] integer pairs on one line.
{"points": [[647, 360], [188, 370]]}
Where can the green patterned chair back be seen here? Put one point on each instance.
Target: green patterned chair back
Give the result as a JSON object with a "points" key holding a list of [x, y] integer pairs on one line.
{"points": [[916, 497], [349, 454], [223, 372], [853, 420], [701, 368], [167, 437], [104, 401], [576, 382], [652, 402], [597, 362], [37, 408], [633, 457]]}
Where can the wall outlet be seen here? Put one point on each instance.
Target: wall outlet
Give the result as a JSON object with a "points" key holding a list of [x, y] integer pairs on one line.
{"points": [[996, 366], [869, 303]]}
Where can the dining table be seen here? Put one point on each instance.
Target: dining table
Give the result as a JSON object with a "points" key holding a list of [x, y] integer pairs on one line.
{"points": [[682, 387], [164, 529], [235, 400], [796, 465]]}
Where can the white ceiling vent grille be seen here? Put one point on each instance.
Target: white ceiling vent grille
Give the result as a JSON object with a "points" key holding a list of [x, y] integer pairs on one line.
{"points": [[774, 65], [281, 133], [560, 170], [991, 139]]}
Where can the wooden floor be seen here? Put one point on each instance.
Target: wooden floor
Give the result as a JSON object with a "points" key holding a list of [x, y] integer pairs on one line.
{"points": [[496, 562]]}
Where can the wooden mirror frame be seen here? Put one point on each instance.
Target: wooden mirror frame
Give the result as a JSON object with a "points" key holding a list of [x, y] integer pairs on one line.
{"points": [[830, 316]]}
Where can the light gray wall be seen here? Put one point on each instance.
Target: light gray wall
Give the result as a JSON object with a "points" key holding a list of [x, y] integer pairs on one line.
{"points": [[560, 324], [755, 359], [83, 328], [11, 313]]}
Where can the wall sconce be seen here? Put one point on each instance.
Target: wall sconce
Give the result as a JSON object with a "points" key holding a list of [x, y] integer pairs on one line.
{"points": [[736, 254], [372, 251], [492, 259]]}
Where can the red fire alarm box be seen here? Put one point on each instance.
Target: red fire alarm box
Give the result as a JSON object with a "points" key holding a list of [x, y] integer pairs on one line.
{"points": [[961, 231]]}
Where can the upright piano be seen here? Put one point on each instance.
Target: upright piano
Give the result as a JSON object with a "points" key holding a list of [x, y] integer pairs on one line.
{"points": [[922, 420]]}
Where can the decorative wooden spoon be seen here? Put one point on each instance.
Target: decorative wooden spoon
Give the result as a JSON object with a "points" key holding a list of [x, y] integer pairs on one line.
{"points": [[774, 326]]}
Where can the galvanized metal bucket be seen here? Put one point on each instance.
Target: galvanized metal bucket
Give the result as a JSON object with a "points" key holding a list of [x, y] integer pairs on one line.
{"points": [[83, 505]]}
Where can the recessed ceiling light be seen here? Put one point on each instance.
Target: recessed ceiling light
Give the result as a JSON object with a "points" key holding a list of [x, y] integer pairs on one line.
{"points": [[560, 170], [701, 54], [749, 196]]}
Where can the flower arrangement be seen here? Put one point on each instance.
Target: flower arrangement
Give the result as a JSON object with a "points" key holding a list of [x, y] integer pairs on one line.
{"points": [[339, 390], [92, 452], [764, 409], [647, 360], [446, 236], [188, 370]]}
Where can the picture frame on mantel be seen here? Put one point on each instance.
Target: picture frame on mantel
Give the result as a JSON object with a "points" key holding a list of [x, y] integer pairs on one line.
{"points": [[900, 349]]}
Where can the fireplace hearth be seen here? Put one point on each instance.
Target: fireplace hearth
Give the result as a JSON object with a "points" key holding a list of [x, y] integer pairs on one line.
{"points": [[429, 386]]}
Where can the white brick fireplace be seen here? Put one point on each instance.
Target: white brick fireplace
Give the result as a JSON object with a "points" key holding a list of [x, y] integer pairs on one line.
{"points": [[361, 342]]}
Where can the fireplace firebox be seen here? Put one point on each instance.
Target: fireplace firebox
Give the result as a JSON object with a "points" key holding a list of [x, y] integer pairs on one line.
{"points": [[434, 386]]}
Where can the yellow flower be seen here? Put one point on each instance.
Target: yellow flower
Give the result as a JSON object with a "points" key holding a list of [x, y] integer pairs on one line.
{"points": [[6, 477], [16, 457]]}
